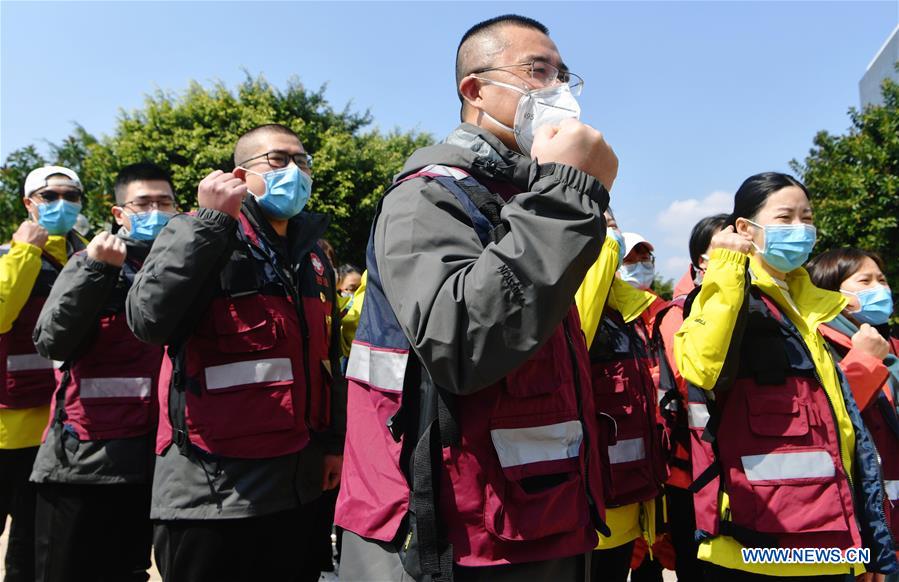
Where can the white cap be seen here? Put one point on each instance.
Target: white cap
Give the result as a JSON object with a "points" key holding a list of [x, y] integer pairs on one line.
{"points": [[37, 179], [632, 239]]}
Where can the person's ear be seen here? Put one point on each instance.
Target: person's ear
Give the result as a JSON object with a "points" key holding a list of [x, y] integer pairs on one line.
{"points": [[240, 174], [119, 215], [470, 89], [30, 206], [744, 228]]}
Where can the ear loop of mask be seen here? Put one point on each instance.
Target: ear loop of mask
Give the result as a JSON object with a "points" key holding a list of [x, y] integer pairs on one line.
{"points": [[506, 86]]}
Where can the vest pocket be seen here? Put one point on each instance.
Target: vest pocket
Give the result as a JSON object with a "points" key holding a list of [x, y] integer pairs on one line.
{"points": [[247, 378], [789, 491], [777, 412], [538, 490]]}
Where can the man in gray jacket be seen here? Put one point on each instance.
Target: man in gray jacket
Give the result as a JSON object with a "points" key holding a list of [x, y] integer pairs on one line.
{"points": [[93, 470], [251, 397], [474, 260]]}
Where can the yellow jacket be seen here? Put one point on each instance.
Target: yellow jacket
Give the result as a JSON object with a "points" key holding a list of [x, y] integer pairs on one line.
{"points": [[19, 268], [701, 345], [601, 287], [350, 320]]}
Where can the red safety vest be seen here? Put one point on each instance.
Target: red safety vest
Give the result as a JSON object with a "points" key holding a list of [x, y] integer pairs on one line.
{"points": [[777, 443], [524, 480], [624, 390], [109, 391], [254, 377], [28, 379]]}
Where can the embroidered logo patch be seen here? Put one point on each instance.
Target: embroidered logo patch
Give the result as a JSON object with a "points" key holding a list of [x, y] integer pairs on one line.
{"points": [[317, 264]]}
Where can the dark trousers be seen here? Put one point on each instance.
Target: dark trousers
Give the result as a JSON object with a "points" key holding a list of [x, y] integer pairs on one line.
{"points": [[17, 501], [683, 530], [713, 573], [321, 554], [270, 547], [611, 565], [92, 533]]}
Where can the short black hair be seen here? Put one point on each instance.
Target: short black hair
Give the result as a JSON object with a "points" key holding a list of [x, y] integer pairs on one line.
{"points": [[464, 60], [702, 234], [754, 192], [244, 142], [138, 172]]}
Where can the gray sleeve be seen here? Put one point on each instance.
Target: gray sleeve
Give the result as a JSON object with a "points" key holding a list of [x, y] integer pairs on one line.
{"points": [[173, 288], [70, 312], [474, 314]]}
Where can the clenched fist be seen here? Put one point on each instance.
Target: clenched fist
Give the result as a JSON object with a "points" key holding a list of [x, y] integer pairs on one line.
{"points": [[222, 191], [31, 233], [727, 238], [578, 145], [869, 340], [107, 248]]}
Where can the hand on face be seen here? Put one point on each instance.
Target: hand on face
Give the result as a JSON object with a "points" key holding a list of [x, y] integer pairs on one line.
{"points": [[222, 191], [728, 238], [107, 248], [578, 145], [31, 233]]}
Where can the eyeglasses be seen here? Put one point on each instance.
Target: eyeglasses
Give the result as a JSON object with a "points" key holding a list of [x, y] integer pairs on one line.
{"points": [[165, 205], [544, 74], [54, 195], [278, 159]]}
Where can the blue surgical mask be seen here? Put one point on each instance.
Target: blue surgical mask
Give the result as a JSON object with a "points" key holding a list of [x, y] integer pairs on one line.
{"points": [[876, 305], [146, 225], [286, 192], [787, 246], [58, 217], [639, 275], [620, 240]]}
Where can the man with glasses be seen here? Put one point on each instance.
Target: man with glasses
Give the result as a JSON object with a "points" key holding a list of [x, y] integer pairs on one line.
{"points": [[28, 267], [251, 396], [473, 448], [94, 469]]}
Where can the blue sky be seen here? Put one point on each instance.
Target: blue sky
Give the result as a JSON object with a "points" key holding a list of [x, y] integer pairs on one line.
{"points": [[693, 96]]}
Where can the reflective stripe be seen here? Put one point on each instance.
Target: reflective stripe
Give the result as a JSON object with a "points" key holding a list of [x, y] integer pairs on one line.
{"points": [[26, 362], [892, 488], [551, 442], [798, 465], [377, 367], [627, 450], [444, 171], [698, 415], [115, 387], [251, 372]]}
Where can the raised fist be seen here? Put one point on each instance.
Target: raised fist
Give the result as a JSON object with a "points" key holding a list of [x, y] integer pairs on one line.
{"points": [[107, 248], [31, 233], [222, 191], [578, 145], [869, 340]]}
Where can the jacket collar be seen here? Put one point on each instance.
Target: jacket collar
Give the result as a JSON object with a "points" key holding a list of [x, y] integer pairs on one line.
{"points": [[816, 305], [478, 152], [686, 284], [303, 230], [629, 301]]}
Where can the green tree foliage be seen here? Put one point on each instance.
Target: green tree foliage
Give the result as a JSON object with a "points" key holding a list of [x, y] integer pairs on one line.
{"points": [[664, 288], [854, 182], [193, 133]]}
